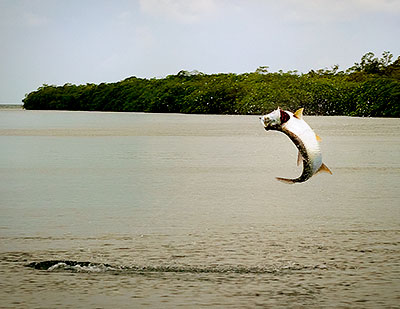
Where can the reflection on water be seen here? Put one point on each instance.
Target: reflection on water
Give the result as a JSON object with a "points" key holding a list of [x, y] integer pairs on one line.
{"points": [[164, 210]]}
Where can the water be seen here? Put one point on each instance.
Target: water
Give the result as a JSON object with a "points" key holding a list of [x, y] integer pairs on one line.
{"points": [[124, 210]]}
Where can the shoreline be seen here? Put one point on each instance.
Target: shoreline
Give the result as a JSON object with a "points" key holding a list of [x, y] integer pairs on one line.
{"points": [[21, 107], [11, 106]]}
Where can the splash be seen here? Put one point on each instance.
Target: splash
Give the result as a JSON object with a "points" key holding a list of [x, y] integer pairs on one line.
{"points": [[75, 266]]}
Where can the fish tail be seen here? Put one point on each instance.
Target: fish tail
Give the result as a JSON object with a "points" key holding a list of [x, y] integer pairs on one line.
{"points": [[286, 180], [324, 169]]}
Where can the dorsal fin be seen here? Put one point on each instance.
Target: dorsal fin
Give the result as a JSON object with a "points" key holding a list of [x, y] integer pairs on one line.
{"points": [[299, 113], [324, 168], [319, 139]]}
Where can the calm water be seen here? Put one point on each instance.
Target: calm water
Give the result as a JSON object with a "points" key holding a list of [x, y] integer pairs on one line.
{"points": [[184, 211]]}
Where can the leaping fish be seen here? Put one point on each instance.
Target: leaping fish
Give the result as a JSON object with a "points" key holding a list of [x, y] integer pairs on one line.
{"points": [[301, 134]]}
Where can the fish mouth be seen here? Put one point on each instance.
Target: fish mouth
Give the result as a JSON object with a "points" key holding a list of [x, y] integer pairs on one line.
{"points": [[263, 122], [267, 125], [266, 122]]}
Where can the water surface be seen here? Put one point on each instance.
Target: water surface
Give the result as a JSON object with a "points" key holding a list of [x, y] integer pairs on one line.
{"points": [[184, 211]]}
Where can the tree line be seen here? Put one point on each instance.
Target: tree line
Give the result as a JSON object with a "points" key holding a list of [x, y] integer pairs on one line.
{"points": [[369, 88]]}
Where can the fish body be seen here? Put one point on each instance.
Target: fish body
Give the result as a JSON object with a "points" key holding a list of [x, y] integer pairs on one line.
{"points": [[301, 134]]}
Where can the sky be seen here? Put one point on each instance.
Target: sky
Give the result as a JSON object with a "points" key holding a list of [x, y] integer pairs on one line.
{"points": [[92, 41]]}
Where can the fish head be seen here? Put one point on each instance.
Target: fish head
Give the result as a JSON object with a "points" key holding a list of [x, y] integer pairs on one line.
{"points": [[275, 119]]}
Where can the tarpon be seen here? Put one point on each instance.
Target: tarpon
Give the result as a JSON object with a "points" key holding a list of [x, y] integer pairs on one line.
{"points": [[301, 134]]}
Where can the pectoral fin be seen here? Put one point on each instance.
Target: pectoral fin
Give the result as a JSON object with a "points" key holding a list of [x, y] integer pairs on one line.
{"points": [[299, 113], [299, 159], [319, 139], [324, 169]]}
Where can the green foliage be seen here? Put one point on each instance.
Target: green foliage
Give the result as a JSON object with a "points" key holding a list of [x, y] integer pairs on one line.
{"points": [[369, 88], [378, 97]]}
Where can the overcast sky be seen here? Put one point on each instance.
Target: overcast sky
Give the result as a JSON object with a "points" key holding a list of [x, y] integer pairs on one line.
{"points": [[93, 41]]}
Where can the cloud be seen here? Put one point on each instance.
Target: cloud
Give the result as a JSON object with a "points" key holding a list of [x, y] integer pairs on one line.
{"points": [[336, 11], [184, 11], [376, 5], [15, 15], [35, 20], [304, 11]]}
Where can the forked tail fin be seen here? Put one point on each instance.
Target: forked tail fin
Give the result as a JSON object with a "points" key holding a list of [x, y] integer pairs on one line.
{"points": [[324, 169], [286, 180]]}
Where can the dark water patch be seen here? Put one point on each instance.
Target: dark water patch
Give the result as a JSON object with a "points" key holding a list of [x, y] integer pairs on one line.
{"points": [[369, 169], [75, 266]]}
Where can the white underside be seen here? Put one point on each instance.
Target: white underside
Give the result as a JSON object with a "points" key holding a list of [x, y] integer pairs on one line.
{"points": [[301, 129]]}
